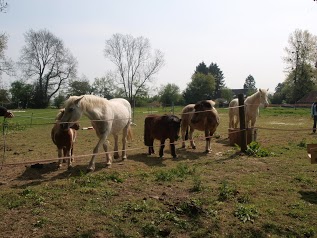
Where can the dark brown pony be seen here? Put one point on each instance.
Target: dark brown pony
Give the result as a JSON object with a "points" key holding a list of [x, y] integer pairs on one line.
{"points": [[64, 139], [201, 116], [161, 128]]}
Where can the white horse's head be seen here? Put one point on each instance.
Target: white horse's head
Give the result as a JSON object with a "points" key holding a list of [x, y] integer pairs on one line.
{"points": [[264, 96], [73, 111]]}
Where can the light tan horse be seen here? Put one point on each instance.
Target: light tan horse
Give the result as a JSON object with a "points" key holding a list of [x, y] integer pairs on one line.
{"points": [[252, 104], [201, 116], [107, 117]]}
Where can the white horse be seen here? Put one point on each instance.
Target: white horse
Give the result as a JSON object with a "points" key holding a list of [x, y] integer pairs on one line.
{"points": [[107, 117], [251, 104]]}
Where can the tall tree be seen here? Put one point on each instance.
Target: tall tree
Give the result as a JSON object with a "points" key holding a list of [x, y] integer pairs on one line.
{"points": [[135, 63], [21, 93], [3, 5], [46, 61], [301, 55], [215, 71], [6, 65], [201, 87], [105, 87], [202, 68], [79, 87], [170, 94], [250, 84]]}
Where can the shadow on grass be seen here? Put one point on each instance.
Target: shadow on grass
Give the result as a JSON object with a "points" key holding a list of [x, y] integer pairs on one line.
{"points": [[309, 196]]}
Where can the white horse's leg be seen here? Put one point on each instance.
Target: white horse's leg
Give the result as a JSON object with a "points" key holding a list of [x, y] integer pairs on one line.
{"points": [[102, 139], [124, 142], [116, 147], [237, 121], [190, 137]]}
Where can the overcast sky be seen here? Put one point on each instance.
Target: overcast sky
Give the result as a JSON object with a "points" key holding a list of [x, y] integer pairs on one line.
{"points": [[242, 36]]}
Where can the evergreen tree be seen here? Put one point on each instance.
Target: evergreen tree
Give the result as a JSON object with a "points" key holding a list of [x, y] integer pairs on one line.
{"points": [[200, 88], [201, 68], [250, 84], [215, 71]]}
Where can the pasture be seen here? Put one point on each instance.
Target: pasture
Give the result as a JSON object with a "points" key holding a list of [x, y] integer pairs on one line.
{"points": [[221, 194]]}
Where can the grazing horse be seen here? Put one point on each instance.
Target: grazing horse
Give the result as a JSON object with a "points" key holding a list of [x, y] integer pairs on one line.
{"points": [[64, 139], [201, 116], [251, 104], [161, 128], [107, 117]]}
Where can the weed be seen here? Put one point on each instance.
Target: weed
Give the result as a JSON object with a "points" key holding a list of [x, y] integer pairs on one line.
{"points": [[254, 149], [197, 184], [181, 171], [227, 192], [302, 143], [246, 213]]}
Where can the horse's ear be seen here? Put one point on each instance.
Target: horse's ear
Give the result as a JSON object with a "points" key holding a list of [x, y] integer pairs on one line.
{"points": [[76, 102], [260, 90], [267, 89]]}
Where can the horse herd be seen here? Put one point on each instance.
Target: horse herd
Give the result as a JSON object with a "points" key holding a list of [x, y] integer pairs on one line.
{"points": [[114, 116]]}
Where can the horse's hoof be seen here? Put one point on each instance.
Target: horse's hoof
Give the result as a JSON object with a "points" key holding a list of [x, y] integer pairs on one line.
{"points": [[175, 157], [90, 169], [108, 166], [116, 156], [124, 158], [208, 151]]}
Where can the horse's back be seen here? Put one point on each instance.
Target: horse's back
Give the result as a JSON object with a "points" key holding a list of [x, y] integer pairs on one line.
{"points": [[122, 113]]}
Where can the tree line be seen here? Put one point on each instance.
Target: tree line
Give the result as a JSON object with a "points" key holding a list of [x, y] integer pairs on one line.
{"points": [[47, 73]]}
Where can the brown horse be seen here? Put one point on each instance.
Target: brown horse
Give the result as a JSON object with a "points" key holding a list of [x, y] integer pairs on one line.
{"points": [[64, 139], [161, 128], [201, 116]]}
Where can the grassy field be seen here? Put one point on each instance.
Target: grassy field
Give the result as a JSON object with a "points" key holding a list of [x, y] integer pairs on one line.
{"points": [[222, 194]]}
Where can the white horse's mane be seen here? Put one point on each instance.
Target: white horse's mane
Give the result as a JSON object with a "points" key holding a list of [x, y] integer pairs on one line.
{"points": [[87, 101]]}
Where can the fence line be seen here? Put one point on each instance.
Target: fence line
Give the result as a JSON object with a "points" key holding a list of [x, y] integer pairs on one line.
{"points": [[102, 153]]}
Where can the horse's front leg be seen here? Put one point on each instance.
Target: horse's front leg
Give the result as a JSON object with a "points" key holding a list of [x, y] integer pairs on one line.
{"points": [[69, 160], [190, 137], [172, 145], [151, 148], [116, 147], [102, 139], [208, 141], [183, 132], [108, 155], [162, 146], [60, 155]]}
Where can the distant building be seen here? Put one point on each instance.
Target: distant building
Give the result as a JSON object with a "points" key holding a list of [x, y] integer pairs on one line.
{"points": [[236, 92], [309, 98]]}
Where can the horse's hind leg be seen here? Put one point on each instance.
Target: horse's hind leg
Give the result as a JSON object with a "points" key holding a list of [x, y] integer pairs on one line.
{"points": [[162, 146], [173, 152], [190, 137], [208, 141], [124, 141], [116, 147]]}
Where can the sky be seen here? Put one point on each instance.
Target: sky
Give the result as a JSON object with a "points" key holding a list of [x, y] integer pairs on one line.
{"points": [[243, 37]]}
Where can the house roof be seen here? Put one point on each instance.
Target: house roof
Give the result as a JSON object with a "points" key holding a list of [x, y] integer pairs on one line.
{"points": [[236, 92], [308, 98]]}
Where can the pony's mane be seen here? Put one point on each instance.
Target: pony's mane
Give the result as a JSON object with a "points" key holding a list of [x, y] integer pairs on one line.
{"points": [[261, 91], [88, 101], [60, 114]]}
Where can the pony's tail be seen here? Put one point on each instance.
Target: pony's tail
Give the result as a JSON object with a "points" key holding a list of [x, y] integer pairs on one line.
{"points": [[130, 134], [186, 134]]}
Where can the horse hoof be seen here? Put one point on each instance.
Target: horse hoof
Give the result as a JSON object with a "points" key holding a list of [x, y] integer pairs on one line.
{"points": [[208, 151], [175, 157], [90, 169], [124, 158], [108, 166]]}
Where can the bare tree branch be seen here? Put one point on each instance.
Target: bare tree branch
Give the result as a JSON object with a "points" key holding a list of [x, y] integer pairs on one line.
{"points": [[134, 62]]}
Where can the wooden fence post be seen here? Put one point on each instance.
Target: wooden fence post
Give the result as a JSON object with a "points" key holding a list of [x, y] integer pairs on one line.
{"points": [[243, 132]]}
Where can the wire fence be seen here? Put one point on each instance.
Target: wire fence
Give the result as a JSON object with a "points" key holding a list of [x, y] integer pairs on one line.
{"points": [[47, 120]]}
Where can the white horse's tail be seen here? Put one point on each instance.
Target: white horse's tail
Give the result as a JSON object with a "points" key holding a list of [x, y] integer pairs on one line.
{"points": [[130, 134]]}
